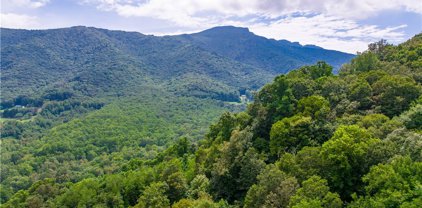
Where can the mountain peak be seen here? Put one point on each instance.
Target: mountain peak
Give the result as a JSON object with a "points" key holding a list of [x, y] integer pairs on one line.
{"points": [[226, 30]]}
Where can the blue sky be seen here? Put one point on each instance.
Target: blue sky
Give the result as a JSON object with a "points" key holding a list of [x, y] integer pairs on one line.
{"points": [[345, 25]]}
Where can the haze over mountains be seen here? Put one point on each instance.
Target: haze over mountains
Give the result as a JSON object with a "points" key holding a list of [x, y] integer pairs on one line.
{"points": [[220, 63]]}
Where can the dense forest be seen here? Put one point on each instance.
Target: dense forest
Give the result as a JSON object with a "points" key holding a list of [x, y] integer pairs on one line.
{"points": [[95, 62], [83, 102], [309, 139]]}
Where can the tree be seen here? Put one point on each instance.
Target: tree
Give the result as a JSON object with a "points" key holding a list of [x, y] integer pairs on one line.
{"points": [[274, 189], [199, 186], [366, 61], [394, 94], [361, 92], [392, 185], [203, 202], [221, 131], [154, 196], [277, 97], [379, 48], [177, 186], [303, 164], [344, 157], [315, 191], [320, 69], [375, 123], [314, 106], [82, 194], [332, 88], [412, 118], [291, 134], [302, 87], [236, 168], [407, 143]]}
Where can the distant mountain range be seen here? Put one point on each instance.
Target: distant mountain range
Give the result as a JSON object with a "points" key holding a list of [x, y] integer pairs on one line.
{"points": [[219, 63]]}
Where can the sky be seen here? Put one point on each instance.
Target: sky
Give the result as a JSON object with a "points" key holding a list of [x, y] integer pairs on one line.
{"points": [[344, 25]]}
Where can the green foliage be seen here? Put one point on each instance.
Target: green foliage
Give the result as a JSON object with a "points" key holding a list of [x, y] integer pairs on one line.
{"points": [[321, 69], [154, 197], [366, 61], [345, 156], [236, 167], [274, 189], [407, 143], [316, 107], [310, 138], [199, 186], [395, 184], [394, 94], [361, 92], [315, 191], [103, 141], [290, 134], [412, 119]]}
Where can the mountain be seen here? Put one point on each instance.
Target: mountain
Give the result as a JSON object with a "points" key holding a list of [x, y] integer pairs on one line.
{"points": [[277, 56], [84, 102], [95, 61], [310, 138]]}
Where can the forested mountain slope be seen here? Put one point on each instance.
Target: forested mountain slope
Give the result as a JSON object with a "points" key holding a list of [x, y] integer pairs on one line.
{"points": [[95, 62], [82, 102], [309, 139], [91, 61], [278, 56]]}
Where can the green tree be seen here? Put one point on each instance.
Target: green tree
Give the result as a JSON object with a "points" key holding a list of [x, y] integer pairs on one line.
{"points": [[361, 91], [277, 97], [82, 194], [314, 106], [333, 89], [315, 190], [303, 164], [412, 118], [320, 69], [366, 61], [291, 134], [394, 94], [236, 168], [199, 186], [344, 157], [407, 143], [302, 87], [393, 185], [154, 196], [274, 189]]}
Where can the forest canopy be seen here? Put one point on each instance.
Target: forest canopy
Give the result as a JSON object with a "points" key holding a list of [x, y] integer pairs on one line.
{"points": [[310, 139]]}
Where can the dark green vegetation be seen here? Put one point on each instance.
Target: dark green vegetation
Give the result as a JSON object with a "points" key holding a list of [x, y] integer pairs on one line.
{"points": [[82, 102], [275, 56], [96, 62], [310, 139]]}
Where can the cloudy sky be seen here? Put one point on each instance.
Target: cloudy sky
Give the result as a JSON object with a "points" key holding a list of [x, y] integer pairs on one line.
{"points": [[345, 25]]}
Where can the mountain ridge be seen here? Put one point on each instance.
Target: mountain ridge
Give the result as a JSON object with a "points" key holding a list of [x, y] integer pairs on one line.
{"points": [[126, 58]]}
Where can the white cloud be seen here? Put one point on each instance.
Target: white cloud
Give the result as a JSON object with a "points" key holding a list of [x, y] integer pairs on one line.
{"points": [[328, 32], [30, 4], [18, 21], [180, 11]]}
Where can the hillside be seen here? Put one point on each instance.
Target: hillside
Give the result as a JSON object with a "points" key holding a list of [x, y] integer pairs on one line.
{"points": [[83, 102], [94, 62], [276, 56], [309, 139]]}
